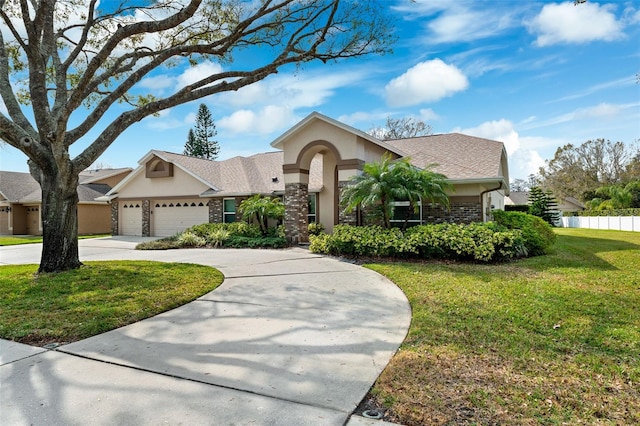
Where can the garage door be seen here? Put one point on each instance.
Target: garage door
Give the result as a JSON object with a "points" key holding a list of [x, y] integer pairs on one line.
{"points": [[131, 218], [169, 217]]}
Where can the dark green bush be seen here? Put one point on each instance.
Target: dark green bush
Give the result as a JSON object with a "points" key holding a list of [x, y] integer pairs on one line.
{"points": [[478, 242], [538, 234]]}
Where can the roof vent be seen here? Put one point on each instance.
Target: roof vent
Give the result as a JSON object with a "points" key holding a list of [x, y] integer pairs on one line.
{"points": [[274, 179]]}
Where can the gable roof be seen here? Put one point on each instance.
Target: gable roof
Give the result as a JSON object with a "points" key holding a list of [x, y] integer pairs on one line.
{"points": [[457, 156], [91, 176], [257, 174], [18, 187], [316, 116], [14, 186]]}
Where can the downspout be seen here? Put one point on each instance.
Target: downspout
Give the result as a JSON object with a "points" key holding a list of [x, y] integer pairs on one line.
{"points": [[482, 197]]}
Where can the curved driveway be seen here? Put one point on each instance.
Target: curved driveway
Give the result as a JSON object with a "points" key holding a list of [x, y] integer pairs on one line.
{"points": [[289, 338]]}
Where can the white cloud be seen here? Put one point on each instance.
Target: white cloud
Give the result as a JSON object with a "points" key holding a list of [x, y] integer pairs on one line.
{"points": [[500, 130], [467, 25], [427, 81], [159, 82], [569, 23], [197, 73], [428, 115], [361, 117], [455, 21], [523, 163], [294, 91], [523, 152], [267, 120], [601, 111]]}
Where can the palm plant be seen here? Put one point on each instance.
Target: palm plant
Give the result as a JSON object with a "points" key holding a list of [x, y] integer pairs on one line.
{"points": [[420, 185], [381, 183], [262, 209]]}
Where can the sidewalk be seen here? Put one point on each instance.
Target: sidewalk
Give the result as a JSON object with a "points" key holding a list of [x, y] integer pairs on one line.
{"points": [[288, 338]]}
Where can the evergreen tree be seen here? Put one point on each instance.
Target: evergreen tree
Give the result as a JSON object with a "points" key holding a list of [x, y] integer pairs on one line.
{"points": [[199, 141], [543, 205]]}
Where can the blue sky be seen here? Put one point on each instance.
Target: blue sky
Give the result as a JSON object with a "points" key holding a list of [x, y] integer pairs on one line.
{"points": [[534, 75]]}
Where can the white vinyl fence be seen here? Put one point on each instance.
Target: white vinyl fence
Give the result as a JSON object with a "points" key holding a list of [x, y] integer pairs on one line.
{"points": [[616, 223]]}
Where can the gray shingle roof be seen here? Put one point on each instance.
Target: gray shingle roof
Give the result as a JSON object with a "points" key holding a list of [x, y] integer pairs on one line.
{"points": [[457, 156], [257, 174], [90, 176], [19, 187], [15, 186]]}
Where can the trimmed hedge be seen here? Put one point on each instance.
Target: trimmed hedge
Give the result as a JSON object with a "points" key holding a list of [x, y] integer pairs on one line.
{"points": [[485, 242]]}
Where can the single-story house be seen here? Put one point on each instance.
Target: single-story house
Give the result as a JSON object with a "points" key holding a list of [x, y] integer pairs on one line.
{"points": [[21, 200], [565, 205], [169, 192]]}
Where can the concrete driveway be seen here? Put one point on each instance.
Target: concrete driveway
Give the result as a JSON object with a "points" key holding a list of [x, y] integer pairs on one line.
{"points": [[289, 338]]}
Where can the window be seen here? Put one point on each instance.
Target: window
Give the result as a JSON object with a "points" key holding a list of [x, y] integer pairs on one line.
{"points": [[400, 211], [312, 216], [229, 210]]}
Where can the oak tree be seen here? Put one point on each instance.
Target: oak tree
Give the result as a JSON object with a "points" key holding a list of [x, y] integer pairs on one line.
{"points": [[59, 56], [575, 171]]}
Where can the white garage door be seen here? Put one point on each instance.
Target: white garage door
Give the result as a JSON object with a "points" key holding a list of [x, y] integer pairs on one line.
{"points": [[168, 217], [131, 218]]}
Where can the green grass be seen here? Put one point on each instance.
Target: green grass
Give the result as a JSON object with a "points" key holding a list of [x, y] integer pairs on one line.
{"points": [[12, 240], [98, 297], [547, 340]]}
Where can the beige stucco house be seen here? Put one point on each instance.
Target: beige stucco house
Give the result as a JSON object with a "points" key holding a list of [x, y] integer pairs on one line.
{"points": [[21, 200], [169, 192]]}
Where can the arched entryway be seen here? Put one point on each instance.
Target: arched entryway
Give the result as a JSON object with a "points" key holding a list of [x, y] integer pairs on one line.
{"points": [[342, 152], [336, 172]]}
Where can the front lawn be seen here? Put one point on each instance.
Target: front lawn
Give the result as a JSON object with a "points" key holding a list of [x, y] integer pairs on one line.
{"points": [[553, 339], [98, 297]]}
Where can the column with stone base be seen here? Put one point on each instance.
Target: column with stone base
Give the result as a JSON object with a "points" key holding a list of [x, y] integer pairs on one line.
{"points": [[296, 210]]}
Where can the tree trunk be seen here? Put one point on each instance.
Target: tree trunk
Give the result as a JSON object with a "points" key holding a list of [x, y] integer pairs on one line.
{"points": [[59, 223]]}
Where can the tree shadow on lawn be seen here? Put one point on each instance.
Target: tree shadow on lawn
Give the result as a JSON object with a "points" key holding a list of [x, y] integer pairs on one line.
{"points": [[572, 251]]}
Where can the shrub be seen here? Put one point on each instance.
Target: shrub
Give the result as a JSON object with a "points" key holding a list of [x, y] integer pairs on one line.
{"points": [[315, 228], [241, 229], [162, 244], [477, 242], [189, 239], [537, 234], [218, 237]]}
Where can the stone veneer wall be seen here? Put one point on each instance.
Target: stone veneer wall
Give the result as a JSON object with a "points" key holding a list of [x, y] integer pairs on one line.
{"points": [[146, 218], [114, 218], [296, 210], [215, 210], [346, 218]]}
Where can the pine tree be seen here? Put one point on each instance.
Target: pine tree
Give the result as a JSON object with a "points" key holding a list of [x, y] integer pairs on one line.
{"points": [[542, 204], [199, 141]]}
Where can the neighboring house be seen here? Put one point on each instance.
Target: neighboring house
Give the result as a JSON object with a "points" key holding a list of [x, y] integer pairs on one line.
{"points": [[565, 205], [21, 200], [169, 192]]}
